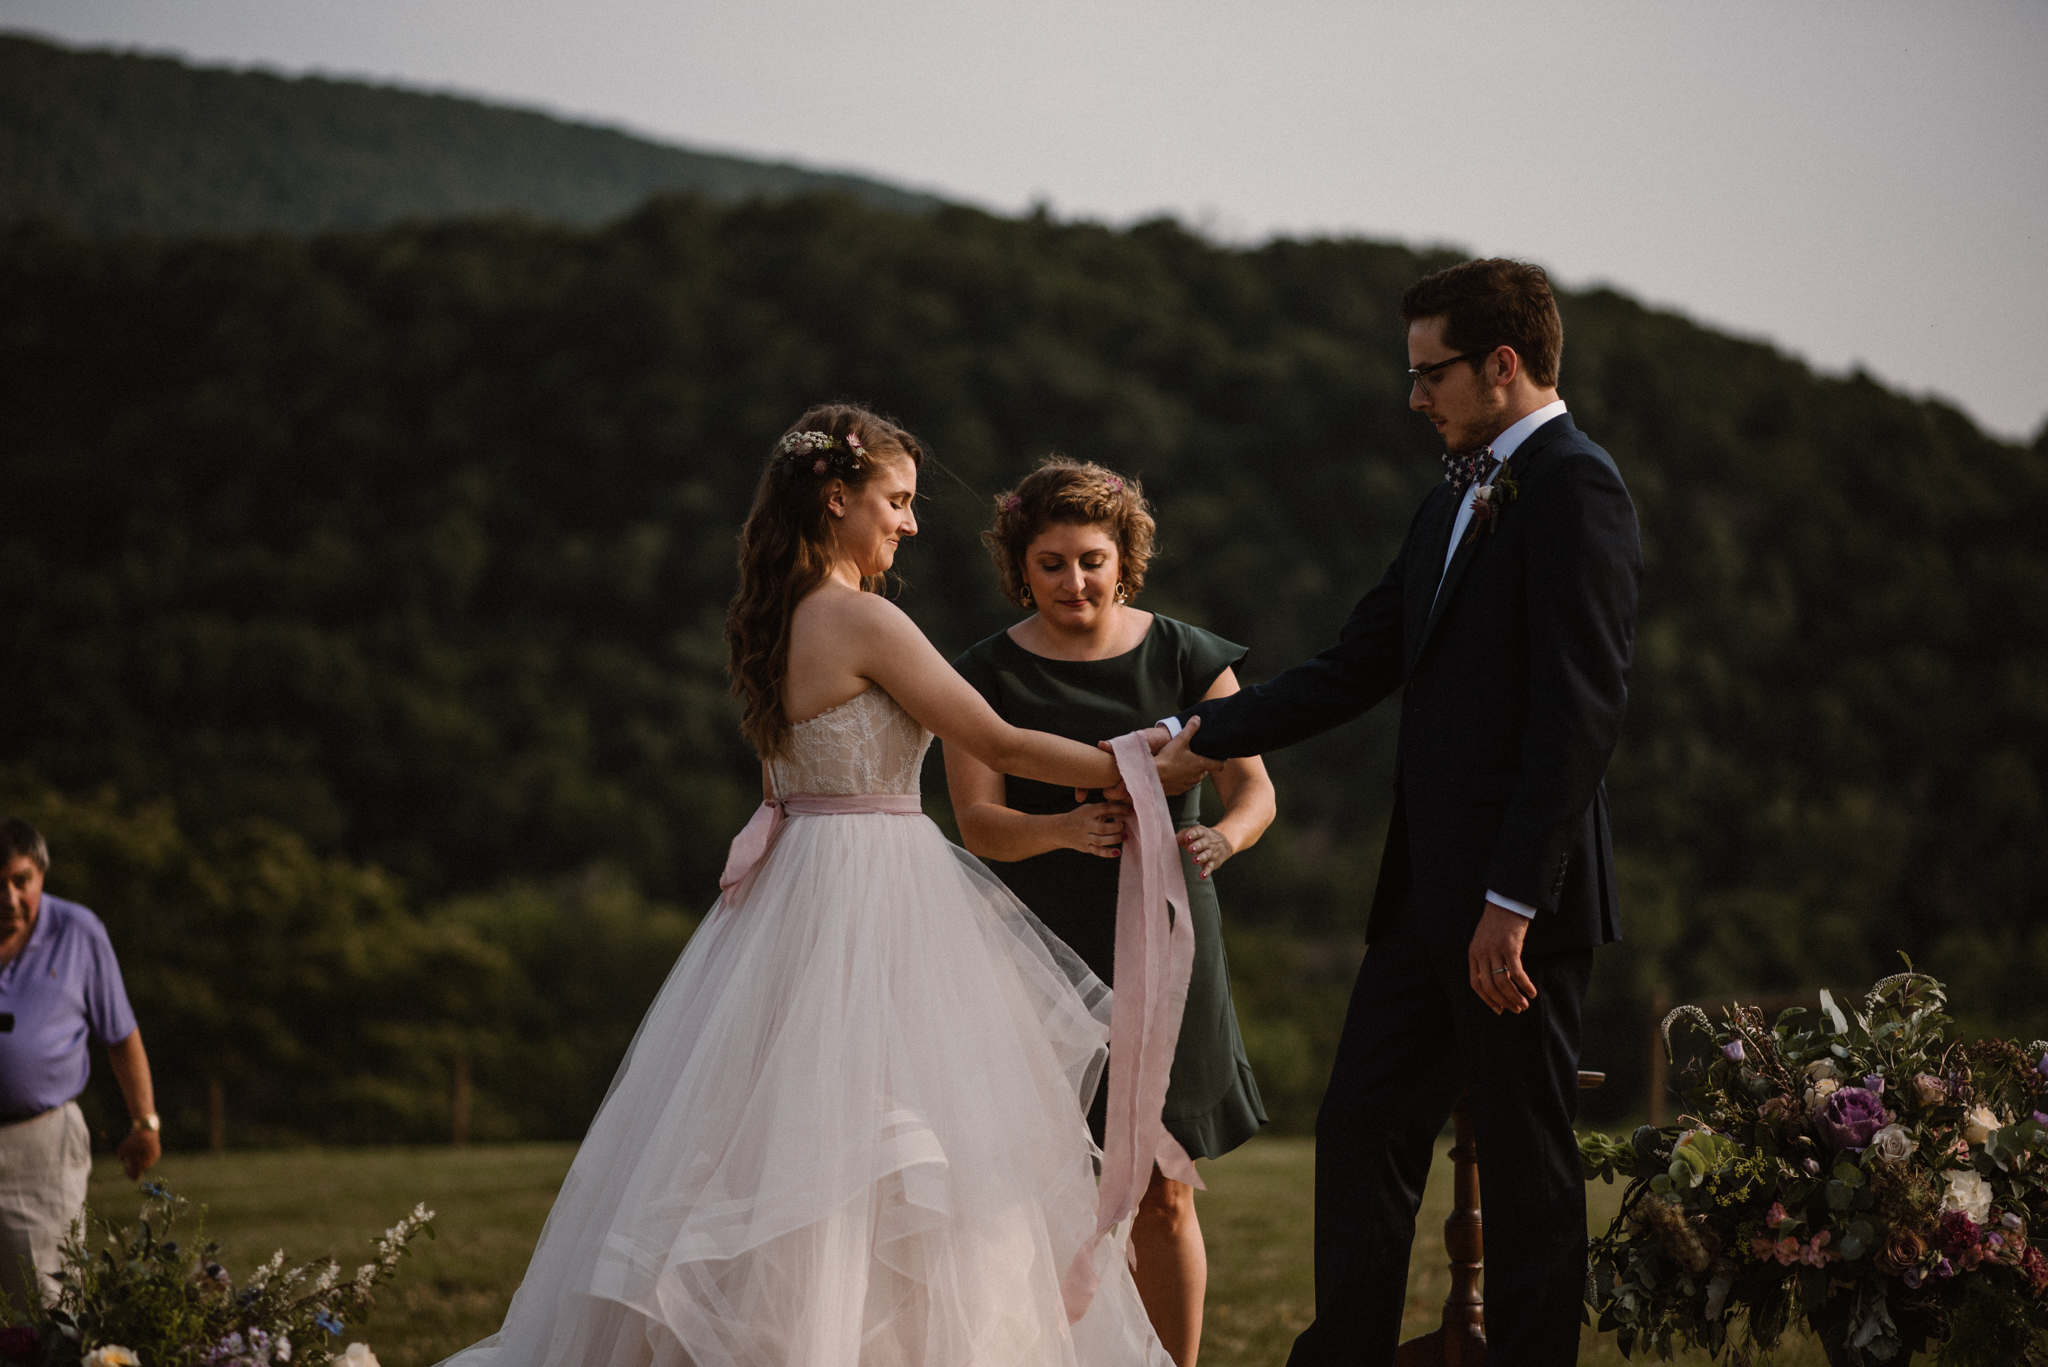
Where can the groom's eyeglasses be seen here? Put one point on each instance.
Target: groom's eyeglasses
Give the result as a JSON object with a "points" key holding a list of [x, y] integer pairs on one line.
{"points": [[1425, 376]]}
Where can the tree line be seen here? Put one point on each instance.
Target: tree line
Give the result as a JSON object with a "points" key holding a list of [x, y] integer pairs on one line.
{"points": [[391, 564]]}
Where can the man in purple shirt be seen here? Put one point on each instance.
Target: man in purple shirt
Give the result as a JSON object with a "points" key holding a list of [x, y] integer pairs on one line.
{"points": [[59, 987]]}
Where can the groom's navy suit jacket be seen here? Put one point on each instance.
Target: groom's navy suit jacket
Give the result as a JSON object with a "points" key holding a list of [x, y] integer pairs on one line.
{"points": [[1515, 675]]}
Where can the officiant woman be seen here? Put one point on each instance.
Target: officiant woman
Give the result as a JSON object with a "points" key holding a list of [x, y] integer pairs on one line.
{"points": [[1070, 544]]}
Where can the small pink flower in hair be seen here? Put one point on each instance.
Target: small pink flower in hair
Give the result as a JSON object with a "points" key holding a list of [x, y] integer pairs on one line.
{"points": [[1116, 484], [818, 466], [1012, 504], [853, 440]]}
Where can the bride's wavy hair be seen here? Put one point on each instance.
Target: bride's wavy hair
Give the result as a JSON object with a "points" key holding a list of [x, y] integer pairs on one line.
{"points": [[786, 551]]}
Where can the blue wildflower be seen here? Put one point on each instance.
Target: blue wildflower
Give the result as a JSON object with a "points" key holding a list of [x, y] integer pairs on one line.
{"points": [[329, 1323]]}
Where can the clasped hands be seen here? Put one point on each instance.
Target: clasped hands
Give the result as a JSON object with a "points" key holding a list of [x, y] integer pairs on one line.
{"points": [[1099, 826]]}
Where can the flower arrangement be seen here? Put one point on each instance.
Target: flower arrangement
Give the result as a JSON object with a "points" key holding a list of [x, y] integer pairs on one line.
{"points": [[815, 450], [137, 1297], [1489, 499], [1862, 1170]]}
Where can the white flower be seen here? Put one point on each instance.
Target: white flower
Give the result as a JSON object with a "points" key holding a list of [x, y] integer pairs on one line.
{"points": [[1892, 1144], [1931, 1090], [112, 1355], [357, 1355], [1825, 1068], [1817, 1095], [1970, 1194], [1978, 1123]]}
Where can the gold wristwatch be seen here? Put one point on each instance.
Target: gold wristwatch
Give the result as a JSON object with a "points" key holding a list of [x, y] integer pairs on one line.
{"points": [[146, 1122]]}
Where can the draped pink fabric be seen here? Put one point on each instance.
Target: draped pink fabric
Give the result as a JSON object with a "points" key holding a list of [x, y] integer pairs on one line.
{"points": [[757, 837], [1155, 956]]}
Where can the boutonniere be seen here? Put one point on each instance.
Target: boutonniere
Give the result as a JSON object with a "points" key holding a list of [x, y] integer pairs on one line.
{"points": [[1489, 499]]}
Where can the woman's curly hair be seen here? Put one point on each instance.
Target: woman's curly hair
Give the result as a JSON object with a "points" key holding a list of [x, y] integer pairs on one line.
{"points": [[786, 550], [1080, 493]]}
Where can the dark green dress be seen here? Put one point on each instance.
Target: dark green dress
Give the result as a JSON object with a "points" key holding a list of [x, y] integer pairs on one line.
{"points": [[1212, 1103]]}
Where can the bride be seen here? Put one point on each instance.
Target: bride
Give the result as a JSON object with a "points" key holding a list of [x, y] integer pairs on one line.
{"points": [[850, 1129]]}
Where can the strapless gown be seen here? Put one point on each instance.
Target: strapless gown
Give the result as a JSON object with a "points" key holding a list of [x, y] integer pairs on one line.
{"points": [[849, 1130]]}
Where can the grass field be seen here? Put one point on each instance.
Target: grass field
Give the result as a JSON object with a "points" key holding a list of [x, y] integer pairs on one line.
{"points": [[492, 1201]]}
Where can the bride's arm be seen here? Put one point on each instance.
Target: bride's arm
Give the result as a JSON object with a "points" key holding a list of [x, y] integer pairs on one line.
{"points": [[892, 652], [993, 829]]}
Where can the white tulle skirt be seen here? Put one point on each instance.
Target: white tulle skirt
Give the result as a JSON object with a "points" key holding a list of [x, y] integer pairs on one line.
{"points": [[848, 1132]]}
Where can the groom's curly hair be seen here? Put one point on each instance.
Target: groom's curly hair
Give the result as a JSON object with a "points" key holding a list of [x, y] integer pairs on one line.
{"points": [[1493, 302]]}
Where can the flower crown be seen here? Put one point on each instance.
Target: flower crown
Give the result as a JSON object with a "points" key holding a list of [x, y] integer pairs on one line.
{"points": [[821, 452]]}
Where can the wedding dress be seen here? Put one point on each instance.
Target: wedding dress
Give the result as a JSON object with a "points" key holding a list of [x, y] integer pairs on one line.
{"points": [[849, 1130]]}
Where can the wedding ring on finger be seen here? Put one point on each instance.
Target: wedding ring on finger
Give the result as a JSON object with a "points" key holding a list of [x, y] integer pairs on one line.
{"points": [[1498, 971]]}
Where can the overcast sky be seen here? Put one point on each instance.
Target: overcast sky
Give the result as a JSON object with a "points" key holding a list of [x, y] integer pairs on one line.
{"points": [[1861, 183]]}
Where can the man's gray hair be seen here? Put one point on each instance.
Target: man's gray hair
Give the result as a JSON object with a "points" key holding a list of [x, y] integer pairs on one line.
{"points": [[19, 838]]}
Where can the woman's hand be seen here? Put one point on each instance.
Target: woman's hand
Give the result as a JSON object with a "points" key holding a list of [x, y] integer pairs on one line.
{"points": [[1096, 828], [1209, 846]]}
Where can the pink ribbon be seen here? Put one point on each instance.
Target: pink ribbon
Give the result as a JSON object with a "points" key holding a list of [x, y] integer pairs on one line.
{"points": [[757, 837], [1155, 957]]}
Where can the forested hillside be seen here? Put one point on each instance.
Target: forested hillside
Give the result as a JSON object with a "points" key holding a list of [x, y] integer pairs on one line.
{"points": [[372, 583], [117, 142]]}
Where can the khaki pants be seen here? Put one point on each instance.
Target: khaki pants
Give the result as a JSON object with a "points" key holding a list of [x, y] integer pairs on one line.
{"points": [[44, 1164]]}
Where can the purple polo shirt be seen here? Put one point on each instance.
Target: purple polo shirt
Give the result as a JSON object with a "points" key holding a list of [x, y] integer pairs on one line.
{"points": [[63, 987]]}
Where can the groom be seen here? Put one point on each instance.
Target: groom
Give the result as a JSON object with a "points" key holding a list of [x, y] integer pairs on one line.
{"points": [[1505, 622]]}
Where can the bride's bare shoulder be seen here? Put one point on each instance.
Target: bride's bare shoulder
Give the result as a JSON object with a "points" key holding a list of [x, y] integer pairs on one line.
{"points": [[834, 606]]}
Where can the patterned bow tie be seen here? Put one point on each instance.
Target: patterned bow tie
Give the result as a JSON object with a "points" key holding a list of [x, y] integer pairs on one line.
{"points": [[1462, 471]]}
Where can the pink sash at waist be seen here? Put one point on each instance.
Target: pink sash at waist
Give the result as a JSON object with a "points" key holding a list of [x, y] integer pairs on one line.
{"points": [[754, 841]]}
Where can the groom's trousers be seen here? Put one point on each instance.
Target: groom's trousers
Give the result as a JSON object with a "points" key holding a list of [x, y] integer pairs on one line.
{"points": [[1415, 1038]]}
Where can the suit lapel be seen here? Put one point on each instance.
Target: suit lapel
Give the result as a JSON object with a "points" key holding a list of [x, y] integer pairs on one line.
{"points": [[1434, 547], [1517, 465]]}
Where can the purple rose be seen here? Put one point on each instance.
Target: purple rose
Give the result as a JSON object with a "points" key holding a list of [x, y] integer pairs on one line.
{"points": [[1733, 1051], [1944, 1268], [1874, 1083], [1849, 1117], [2041, 1118], [1912, 1278]]}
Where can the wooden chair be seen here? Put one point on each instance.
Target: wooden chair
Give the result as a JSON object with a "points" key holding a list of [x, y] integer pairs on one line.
{"points": [[1460, 1341]]}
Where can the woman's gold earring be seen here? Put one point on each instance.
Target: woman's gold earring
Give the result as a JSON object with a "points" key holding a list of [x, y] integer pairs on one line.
{"points": [[1123, 592], [1024, 598]]}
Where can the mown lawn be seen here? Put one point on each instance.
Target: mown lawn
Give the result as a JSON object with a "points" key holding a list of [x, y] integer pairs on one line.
{"points": [[492, 1201]]}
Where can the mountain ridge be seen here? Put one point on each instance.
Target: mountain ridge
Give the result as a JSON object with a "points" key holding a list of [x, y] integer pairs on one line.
{"points": [[109, 142]]}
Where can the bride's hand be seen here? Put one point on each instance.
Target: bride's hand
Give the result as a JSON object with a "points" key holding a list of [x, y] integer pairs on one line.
{"points": [[1209, 846], [1097, 828]]}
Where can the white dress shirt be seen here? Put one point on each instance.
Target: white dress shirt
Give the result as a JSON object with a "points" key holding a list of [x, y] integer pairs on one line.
{"points": [[1504, 447]]}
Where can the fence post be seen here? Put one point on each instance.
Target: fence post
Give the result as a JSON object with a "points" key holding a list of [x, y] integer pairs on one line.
{"points": [[458, 1111], [1659, 1006], [216, 1116]]}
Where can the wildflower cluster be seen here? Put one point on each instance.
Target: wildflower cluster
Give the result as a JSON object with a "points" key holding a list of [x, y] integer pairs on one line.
{"points": [[1862, 1171], [137, 1297], [821, 453]]}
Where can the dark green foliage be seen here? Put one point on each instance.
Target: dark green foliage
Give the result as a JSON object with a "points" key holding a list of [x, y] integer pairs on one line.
{"points": [[414, 544], [328, 1008], [120, 143]]}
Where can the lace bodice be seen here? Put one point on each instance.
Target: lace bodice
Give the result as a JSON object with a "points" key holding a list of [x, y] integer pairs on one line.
{"points": [[867, 744]]}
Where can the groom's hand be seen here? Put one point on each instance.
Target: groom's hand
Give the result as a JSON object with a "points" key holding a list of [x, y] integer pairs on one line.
{"points": [[1497, 945], [1179, 767]]}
